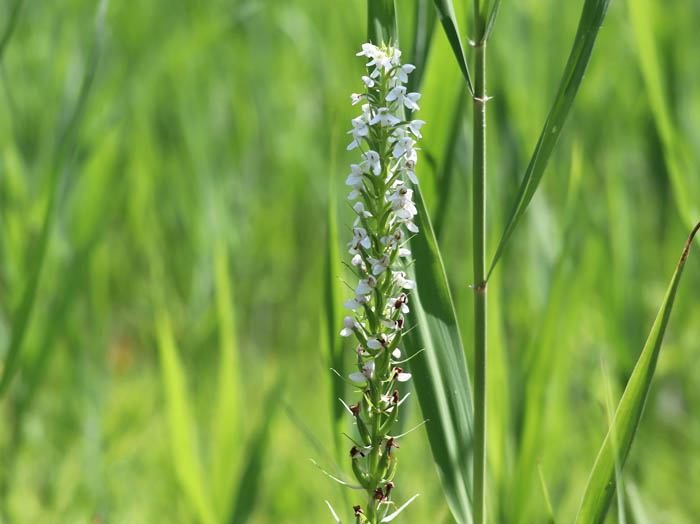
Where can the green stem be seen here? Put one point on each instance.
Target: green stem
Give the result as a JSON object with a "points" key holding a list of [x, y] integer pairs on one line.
{"points": [[479, 238]]}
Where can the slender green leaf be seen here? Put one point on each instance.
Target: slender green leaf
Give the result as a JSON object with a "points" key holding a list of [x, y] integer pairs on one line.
{"points": [[602, 481], [674, 152], [332, 318], [591, 20], [255, 450], [226, 423], [188, 466], [382, 26], [61, 157], [545, 494], [10, 27], [423, 31], [446, 12], [440, 376]]}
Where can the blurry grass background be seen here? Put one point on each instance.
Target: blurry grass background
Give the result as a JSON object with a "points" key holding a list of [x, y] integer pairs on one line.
{"points": [[190, 218]]}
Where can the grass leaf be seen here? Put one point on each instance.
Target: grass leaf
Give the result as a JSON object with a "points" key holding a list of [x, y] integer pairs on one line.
{"points": [[10, 27], [382, 26], [61, 156], [255, 449], [184, 445], [446, 12], [440, 376], [226, 424], [602, 481], [589, 25]]}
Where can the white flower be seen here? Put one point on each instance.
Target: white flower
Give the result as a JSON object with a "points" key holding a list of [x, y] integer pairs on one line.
{"points": [[400, 375], [400, 302], [402, 146], [395, 55], [380, 61], [359, 130], [371, 162], [409, 100], [368, 81], [404, 71], [365, 286], [359, 239], [415, 126], [402, 205], [384, 117], [404, 252], [396, 353], [358, 262], [368, 50], [359, 208], [367, 373], [409, 168], [381, 265], [349, 324], [411, 226], [401, 280], [355, 303], [354, 179], [356, 98], [394, 239]]}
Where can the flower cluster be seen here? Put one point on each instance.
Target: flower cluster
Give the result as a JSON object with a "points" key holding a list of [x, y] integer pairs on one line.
{"points": [[385, 212]]}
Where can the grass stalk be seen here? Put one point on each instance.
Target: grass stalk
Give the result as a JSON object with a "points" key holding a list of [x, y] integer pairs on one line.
{"points": [[479, 252]]}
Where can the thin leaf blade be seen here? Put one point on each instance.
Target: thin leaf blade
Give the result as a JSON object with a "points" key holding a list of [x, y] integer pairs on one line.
{"points": [[448, 19], [590, 22], [440, 375], [616, 446]]}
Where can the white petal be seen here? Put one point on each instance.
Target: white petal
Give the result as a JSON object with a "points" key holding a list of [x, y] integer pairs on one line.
{"points": [[396, 353], [357, 377], [403, 377]]}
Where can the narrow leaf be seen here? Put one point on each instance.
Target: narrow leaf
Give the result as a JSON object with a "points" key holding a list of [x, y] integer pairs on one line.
{"points": [[226, 423], [446, 12], [255, 450], [184, 446], [545, 494], [589, 25], [61, 156], [440, 376], [395, 514], [10, 27], [602, 481], [381, 22], [423, 31]]}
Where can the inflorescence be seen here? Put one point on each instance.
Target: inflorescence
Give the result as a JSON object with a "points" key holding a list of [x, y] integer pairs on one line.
{"points": [[385, 213]]}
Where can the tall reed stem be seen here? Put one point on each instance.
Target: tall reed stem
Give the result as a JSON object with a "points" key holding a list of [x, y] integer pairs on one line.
{"points": [[479, 238]]}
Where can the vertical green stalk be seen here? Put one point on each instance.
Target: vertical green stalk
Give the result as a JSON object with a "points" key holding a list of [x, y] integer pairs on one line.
{"points": [[479, 251]]}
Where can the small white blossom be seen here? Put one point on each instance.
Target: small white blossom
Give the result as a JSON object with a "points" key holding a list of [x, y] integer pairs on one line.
{"points": [[368, 81], [404, 71], [384, 117], [356, 98], [359, 239], [409, 100], [359, 208], [380, 265], [403, 146], [349, 324], [400, 303], [367, 373], [365, 286], [415, 126], [372, 162], [401, 280]]}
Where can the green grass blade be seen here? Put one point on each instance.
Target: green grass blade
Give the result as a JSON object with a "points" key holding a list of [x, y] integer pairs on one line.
{"points": [[255, 451], [382, 26], [602, 481], [10, 27], [226, 424], [332, 317], [591, 20], [188, 467], [440, 376], [61, 157], [423, 31], [446, 13], [674, 150], [545, 494]]}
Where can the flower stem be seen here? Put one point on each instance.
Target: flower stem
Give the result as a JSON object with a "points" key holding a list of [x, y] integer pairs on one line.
{"points": [[479, 239]]}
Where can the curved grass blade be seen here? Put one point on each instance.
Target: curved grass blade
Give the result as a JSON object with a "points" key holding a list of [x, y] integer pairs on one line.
{"points": [[589, 25], [672, 143], [226, 422], [440, 376], [255, 450], [446, 12], [188, 466], [10, 27], [423, 31], [333, 318], [602, 481], [545, 494], [382, 26], [61, 157]]}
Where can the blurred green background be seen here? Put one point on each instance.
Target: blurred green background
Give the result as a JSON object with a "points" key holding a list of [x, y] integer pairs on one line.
{"points": [[171, 369]]}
